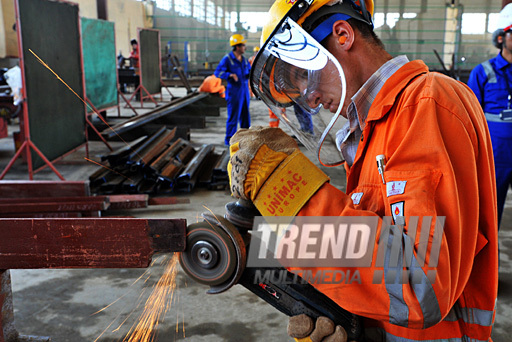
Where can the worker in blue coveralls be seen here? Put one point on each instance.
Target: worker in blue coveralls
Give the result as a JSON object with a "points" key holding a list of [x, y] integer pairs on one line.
{"points": [[491, 83], [236, 69]]}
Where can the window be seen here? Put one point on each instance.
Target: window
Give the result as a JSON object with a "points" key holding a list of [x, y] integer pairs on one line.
{"points": [[164, 4], [493, 22], [199, 8], [183, 7], [227, 20], [210, 13], [391, 19], [473, 23], [252, 21], [220, 15]]}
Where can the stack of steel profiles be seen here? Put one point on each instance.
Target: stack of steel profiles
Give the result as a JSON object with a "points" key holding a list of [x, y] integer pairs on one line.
{"points": [[129, 169], [219, 177], [156, 165]]}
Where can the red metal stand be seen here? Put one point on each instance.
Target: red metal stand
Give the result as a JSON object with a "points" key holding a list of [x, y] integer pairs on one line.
{"points": [[95, 111], [25, 147], [166, 88], [27, 144], [141, 88], [128, 104]]}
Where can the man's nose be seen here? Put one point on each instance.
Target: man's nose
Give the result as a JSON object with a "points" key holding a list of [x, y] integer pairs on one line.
{"points": [[313, 99]]}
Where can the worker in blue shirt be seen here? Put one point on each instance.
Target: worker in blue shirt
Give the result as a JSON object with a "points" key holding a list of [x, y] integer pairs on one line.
{"points": [[491, 83], [236, 69]]}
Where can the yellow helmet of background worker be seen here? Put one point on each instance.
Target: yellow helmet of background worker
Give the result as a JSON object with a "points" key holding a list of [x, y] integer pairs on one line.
{"points": [[256, 49], [280, 9], [236, 39]]}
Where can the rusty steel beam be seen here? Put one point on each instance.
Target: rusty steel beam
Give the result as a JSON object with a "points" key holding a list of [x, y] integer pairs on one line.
{"points": [[119, 202], [141, 201], [16, 189], [8, 332], [168, 200], [87, 242], [49, 205]]}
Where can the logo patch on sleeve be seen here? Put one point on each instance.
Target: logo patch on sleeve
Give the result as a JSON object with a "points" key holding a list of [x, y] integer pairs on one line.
{"points": [[356, 197], [397, 210], [395, 188]]}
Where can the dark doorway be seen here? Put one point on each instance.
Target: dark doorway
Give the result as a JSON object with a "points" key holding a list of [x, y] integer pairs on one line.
{"points": [[102, 9]]}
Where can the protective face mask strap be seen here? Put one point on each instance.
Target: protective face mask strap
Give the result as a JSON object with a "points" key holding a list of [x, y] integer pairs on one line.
{"points": [[323, 30]]}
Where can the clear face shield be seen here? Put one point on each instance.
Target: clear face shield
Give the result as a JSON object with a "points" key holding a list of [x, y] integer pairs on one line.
{"points": [[304, 85]]}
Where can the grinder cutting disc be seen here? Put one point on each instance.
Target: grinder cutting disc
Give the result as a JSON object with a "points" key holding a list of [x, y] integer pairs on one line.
{"points": [[210, 257]]}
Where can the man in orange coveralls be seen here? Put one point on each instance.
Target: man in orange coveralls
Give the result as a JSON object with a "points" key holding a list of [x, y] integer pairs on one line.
{"points": [[429, 135]]}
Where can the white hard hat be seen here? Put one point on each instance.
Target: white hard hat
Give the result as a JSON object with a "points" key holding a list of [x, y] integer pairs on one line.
{"points": [[505, 18]]}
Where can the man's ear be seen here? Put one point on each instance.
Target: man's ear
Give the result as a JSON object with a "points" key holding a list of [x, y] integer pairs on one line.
{"points": [[499, 39], [343, 33]]}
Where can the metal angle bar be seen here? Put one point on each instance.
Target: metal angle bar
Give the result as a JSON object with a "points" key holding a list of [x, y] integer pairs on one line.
{"points": [[194, 164], [187, 179], [136, 154], [158, 147]]}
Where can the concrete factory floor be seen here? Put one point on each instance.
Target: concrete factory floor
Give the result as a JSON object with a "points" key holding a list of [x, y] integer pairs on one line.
{"points": [[64, 304]]}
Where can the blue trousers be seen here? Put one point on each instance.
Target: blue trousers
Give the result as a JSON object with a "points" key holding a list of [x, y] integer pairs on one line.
{"points": [[238, 112]]}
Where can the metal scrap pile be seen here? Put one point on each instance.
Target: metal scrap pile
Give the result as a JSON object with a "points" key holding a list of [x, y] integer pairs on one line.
{"points": [[160, 164]]}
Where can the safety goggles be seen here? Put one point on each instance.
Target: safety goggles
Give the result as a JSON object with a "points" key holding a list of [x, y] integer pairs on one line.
{"points": [[304, 85]]}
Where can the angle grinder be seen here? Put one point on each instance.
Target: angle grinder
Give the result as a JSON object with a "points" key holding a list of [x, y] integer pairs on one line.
{"points": [[216, 255]]}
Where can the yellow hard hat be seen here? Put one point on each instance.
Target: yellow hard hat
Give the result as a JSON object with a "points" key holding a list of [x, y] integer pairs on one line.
{"points": [[236, 39], [256, 49], [315, 10]]}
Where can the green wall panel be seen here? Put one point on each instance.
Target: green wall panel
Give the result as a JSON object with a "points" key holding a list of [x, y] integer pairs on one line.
{"points": [[56, 116], [100, 69], [149, 51]]}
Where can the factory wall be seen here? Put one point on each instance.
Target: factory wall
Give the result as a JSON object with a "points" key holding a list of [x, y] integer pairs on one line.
{"points": [[206, 43], [8, 38], [128, 15]]}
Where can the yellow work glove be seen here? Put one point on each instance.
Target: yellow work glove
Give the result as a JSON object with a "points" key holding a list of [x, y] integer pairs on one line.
{"points": [[301, 328], [267, 168]]}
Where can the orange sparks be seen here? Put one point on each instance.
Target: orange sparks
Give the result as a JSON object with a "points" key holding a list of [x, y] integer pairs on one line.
{"points": [[156, 305], [135, 282]]}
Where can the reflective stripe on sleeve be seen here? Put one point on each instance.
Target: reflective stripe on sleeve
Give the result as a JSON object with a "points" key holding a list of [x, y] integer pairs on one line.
{"points": [[471, 315], [418, 281]]}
